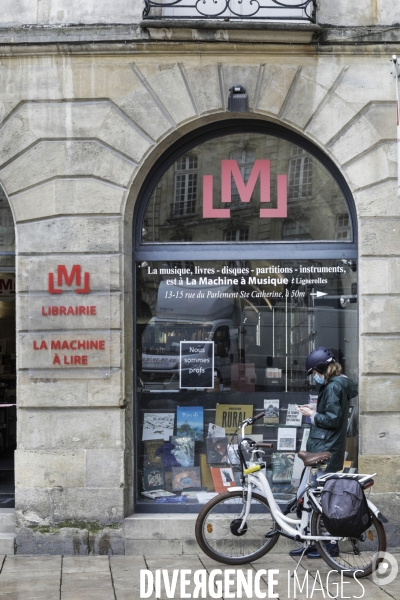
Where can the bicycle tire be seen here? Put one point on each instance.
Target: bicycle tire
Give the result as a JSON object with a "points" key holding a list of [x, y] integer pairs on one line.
{"points": [[372, 541], [219, 519]]}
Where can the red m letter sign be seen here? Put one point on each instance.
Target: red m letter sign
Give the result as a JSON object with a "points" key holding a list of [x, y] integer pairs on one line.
{"points": [[230, 169], [75, 273]]}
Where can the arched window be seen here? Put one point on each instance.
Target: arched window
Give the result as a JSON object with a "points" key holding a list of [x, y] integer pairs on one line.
{"points": [[236, 298]]}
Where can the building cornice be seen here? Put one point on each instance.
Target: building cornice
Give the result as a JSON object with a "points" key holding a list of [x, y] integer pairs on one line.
{"points": [[154, 36]]}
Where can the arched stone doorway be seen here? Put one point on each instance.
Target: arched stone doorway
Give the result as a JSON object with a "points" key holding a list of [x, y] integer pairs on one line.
{"points": [[246, 250]]}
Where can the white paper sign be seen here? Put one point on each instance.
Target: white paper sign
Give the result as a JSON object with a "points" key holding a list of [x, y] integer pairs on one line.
{"points": [[293, 416], [287, 438]]}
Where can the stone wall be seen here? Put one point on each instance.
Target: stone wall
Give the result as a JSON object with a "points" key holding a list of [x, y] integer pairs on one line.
{"points": [[358, 13], [79, 133], [64, 12]]}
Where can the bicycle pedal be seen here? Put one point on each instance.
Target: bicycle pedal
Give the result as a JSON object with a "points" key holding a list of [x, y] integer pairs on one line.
{"points": [[272, 533]]}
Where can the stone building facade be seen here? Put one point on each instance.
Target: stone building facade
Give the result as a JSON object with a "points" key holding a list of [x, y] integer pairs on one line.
{"points": [[91, 96]]}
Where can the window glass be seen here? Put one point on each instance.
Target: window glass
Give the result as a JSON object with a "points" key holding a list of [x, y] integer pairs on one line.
{"points": [[262, 184], [7, 232], [220, 340]]}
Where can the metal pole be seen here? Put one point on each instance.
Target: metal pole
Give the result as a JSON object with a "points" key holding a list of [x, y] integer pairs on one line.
{"points": [[396, 75]]}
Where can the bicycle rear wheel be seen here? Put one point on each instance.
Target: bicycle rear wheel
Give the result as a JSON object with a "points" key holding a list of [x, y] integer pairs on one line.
{"points": [[352, 554], [219, 521]]}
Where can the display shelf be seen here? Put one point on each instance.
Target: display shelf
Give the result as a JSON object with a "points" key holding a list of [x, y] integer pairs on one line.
{"points": [[305, 425]]}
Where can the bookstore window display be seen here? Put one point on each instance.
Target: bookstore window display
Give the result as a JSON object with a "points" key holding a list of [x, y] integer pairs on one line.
{"points": [[221, 339]]}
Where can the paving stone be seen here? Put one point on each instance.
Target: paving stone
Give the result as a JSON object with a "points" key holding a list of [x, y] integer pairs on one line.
{"points": [[86, 564], [152, 548]]}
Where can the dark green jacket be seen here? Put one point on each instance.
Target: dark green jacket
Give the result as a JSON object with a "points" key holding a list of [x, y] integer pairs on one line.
{"points": [[330, 422]]}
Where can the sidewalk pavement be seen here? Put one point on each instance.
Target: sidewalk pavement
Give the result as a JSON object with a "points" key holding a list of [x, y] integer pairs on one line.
{"points": [[117, 577]]}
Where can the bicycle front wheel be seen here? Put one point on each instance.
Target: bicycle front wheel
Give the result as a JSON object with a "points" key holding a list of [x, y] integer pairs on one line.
{"points": [[218, 524], [352, 554]]}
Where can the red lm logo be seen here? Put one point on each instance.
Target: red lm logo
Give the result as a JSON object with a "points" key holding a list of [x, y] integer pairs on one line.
{"points": [[230, 169], [7, 287], [69, 278]]}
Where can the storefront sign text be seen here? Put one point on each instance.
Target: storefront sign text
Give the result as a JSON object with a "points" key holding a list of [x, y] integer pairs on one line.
{"points": [[65, 334]]}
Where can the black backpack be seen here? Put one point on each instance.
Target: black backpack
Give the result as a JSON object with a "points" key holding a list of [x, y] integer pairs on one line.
{"points": [[344, 507]]}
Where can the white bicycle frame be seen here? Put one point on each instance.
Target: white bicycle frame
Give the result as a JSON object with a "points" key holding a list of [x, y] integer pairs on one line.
{"points": [[294, 527]]}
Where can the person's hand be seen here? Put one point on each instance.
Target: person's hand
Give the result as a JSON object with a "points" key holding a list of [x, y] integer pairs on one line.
{"points": [[306, 411]]}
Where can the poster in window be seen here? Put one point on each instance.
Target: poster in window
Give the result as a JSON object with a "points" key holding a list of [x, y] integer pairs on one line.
{"points": [[293, 416], [183, 478], [196, 365], [215, 431], [219, 450], [152, 458], [282, 466], [271, 412], [158, 426], [287, 438], [183, 450], [223, 477], [153, 479], [230, 416], [190, 421]]}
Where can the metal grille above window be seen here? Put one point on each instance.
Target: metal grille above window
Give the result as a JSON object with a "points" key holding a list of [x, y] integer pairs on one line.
{"points": [[266, 10]]}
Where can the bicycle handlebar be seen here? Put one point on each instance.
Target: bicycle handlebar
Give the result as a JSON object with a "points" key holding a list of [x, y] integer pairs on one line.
{"points": [[259, 416], [264, 445]]}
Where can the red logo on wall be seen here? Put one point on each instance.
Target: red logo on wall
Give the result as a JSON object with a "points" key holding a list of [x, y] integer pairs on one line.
{"points": [[74, 278], [7, 288], [230, 169]]}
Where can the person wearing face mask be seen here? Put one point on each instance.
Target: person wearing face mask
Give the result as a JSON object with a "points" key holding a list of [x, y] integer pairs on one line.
{"points": [[330, 417]]}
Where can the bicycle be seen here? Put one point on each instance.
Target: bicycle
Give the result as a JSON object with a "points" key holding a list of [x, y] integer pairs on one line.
{"points": [[244, 523]]}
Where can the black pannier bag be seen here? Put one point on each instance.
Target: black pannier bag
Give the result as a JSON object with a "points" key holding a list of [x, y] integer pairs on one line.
{"points": [[344, 507]]}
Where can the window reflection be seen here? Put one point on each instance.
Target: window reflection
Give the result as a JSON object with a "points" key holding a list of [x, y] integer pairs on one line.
{"points": [[300, 174], [7, 233], [263, 318], [185, 187], [316, 208]]}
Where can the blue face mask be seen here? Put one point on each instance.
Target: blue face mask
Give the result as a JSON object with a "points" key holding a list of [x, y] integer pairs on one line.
{"points": [[319, 379]]}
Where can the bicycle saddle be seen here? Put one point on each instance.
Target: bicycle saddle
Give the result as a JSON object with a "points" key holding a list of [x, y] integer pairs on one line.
{"points": [[310, 459]]}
